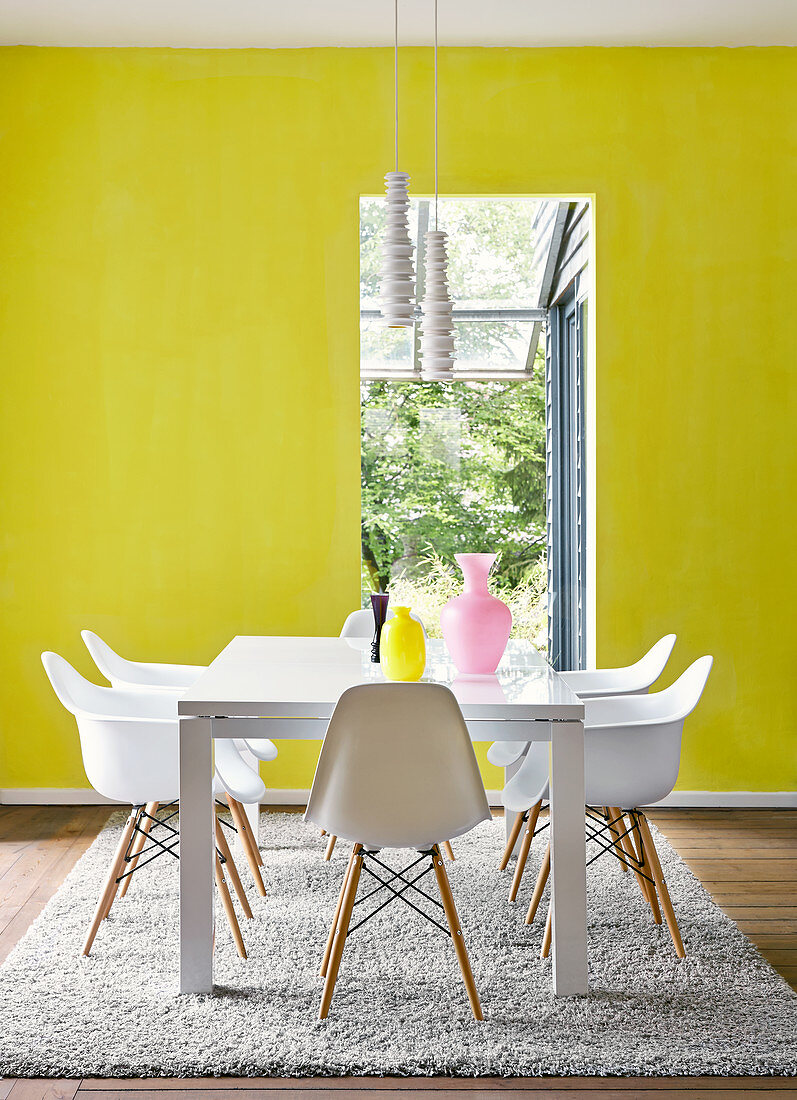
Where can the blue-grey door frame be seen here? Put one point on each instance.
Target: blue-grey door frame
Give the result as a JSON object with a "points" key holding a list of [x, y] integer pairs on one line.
{"points": [[566, 476]]}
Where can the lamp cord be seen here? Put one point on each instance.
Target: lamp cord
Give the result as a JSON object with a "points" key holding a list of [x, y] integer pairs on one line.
{"points": [[435, 115], [395, 79]]}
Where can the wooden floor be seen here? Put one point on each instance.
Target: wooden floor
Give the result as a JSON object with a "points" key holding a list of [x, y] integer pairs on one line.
{"points": [[747, 859]]}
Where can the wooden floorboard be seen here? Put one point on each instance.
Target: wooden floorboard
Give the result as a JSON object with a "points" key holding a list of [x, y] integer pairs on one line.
{"points": [[45, 849], [747, 859]]}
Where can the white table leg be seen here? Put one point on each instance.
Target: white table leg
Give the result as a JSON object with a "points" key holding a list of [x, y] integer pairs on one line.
{"points": [[568, 859], [196, 855]]}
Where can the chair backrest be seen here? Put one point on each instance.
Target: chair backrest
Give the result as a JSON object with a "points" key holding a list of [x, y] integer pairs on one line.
{"points": [[397, 768], [110, 664], [135, 675], [633, 742], [650, 667], [128, 739], [631, 679], [360, 624]]}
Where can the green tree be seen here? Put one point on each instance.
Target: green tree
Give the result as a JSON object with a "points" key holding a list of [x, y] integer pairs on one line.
{"points": [[454, 466]]}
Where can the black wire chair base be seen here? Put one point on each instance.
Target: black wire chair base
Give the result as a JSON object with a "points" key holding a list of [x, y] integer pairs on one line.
{"points": [[153, 847], [398, 894], [227, 824], [603, 830]]}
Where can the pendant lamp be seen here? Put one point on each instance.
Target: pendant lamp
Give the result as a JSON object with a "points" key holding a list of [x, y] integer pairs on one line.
{"points": [[397, 282], [437, 322]]}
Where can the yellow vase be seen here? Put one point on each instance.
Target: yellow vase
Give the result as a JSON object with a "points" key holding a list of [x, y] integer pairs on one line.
{"points": [[402, 647]]}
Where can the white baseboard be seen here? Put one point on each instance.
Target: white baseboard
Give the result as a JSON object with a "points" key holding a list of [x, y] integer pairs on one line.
{"points": [[731, 800], [286, 796], [297, 796]]}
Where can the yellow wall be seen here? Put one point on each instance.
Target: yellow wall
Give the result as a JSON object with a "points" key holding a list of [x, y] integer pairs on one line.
{"points": [[179, 341]]}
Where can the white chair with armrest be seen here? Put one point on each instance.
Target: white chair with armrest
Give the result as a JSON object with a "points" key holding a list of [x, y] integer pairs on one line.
{"points": [[528, 788], [151, 676], [632, 757], [129, 744]]}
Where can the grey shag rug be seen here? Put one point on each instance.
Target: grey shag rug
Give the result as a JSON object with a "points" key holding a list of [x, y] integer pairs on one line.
{"points": [[400, 1006]]}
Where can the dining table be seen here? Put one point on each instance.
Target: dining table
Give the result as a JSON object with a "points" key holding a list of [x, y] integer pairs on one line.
{"points": [[286, 688]]}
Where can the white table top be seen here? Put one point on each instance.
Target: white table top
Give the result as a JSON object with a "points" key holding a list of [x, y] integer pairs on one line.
{"points": [[281, 677]]}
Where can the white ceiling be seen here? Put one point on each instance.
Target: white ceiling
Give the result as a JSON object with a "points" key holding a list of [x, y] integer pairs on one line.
{"points": [[295, 23]]}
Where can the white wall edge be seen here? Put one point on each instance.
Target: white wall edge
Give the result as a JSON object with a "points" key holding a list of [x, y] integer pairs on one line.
{"points": [[297, 796]]}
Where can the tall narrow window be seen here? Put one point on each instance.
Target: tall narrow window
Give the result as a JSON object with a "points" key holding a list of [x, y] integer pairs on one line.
{"points": [[461, 466], [458, 466]]}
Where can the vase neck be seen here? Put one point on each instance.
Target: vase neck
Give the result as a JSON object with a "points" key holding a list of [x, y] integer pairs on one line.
{"points": [[475, 570]]}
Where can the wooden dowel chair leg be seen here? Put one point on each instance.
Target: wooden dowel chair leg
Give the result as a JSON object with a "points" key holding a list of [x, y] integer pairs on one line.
{"points": [[452, 917], [545, 950], [612, 813], [634, 862], [336, 917], [539, 886], [341, 931], [661, 885], [232, 870], [449, 850], [122, 867], [523, 854], [238, 817], [510, 844], [226, 901], [109, 887], [250, 834], [647, 874], [150, 809], [330, 847]]}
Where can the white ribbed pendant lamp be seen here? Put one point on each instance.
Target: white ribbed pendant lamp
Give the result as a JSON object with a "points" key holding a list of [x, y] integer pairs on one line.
{"points": [[437, 323], [397, 282]]}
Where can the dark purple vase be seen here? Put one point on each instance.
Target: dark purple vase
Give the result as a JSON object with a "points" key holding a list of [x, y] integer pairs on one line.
{"points": [[379, 602]]}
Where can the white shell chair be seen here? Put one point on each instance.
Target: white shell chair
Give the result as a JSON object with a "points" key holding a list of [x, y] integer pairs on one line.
{"points": [[632, 757], [630, 680], [530, 782], [129, 744], [396, 770], [360, 624], [151, 676], [596, 682], [133, 675]]}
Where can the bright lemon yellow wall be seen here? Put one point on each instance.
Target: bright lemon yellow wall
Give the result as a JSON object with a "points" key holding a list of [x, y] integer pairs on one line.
{"points": [[179, 341]]}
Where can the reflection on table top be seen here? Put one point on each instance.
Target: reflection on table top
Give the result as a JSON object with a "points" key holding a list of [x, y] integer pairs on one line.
{"points": [[304, 678]]}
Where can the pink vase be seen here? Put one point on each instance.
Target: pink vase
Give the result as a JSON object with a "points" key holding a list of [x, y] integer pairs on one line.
{"points": [[476, 625]]}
